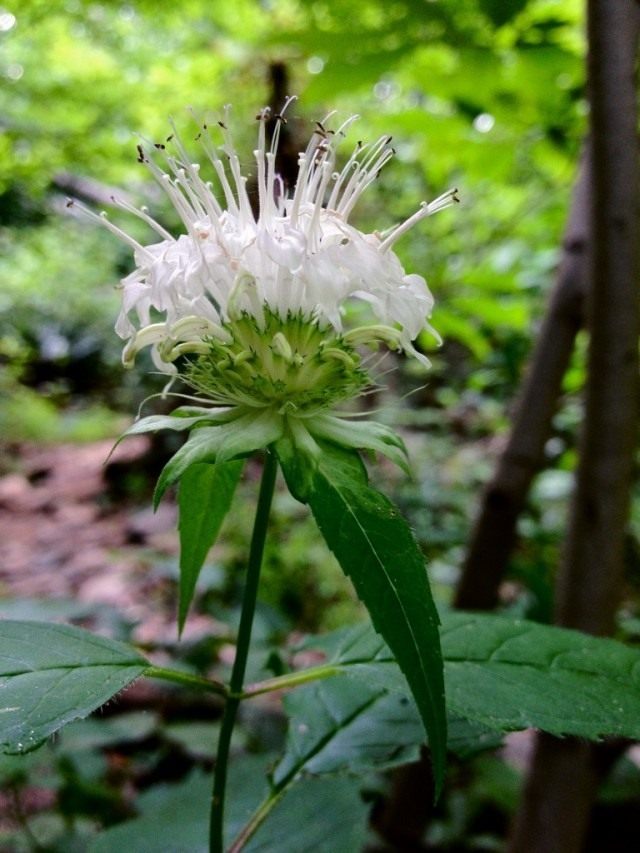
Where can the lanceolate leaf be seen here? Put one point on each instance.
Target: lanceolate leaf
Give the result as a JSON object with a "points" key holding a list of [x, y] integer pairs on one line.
{"points": [[205, 496], [53, 674], [375, 547]]}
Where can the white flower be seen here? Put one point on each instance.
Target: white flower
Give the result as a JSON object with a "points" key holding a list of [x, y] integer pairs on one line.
{"points": [[255, 304], [299, 256]]}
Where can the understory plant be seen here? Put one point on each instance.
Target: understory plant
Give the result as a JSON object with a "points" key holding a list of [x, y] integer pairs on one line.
{"points": [[270, 309]]}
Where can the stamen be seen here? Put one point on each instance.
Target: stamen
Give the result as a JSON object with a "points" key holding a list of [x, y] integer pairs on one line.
{"points": [[426, 209]]}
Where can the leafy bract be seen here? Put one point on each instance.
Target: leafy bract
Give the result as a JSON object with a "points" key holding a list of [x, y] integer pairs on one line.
{"points": [[221, 443], [204, 498], [53, 674], [376, 549], [179, 421], [361, 435]]}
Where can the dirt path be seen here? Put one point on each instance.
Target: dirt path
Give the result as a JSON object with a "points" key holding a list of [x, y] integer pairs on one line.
{"points": [[63, 538]]}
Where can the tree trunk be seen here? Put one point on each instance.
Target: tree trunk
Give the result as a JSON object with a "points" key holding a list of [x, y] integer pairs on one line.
{"points": [[503, 500], [555, 809]]}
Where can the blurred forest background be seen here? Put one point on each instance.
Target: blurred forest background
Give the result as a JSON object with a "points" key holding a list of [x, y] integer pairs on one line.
{"points": [[484, 95]]}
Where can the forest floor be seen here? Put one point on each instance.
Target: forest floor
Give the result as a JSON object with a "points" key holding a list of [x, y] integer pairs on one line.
{"points": [[64, 538]]}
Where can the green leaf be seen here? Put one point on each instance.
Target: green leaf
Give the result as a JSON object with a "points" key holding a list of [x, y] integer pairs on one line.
{"points": [[177, 422], [316, 814], [53, 674], [376, 549], [509, 674], [340, 724], [361, 435], [204, 499], [175, 817], [220, 443], [319, 815]]}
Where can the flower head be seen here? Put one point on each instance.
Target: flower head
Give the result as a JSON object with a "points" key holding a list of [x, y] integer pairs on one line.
{"points": [[256, 301]]}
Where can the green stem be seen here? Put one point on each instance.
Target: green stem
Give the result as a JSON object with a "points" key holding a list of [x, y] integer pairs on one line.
{"points": [[216, 844], [185, 679], [291, 679]]}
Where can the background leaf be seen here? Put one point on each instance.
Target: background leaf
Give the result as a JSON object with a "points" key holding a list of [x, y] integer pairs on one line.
{"points": [[509, 674], [339, 724], [204, 498], [376, 549], [324, 815], [53, 674], [317, 814]]}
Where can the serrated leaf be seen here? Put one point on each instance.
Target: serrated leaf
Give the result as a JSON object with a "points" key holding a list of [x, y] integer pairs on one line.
{"points": [[204, 499], [53, 674], [222, 443], [510, 674], [376, 549], [344, 725]]}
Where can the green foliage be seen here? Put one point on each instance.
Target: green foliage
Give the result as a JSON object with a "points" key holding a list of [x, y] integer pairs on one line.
{"points": [[485, 95], [341, 725], [376, 549], [318, 814], [53, 674], [205, 496], [28, 416], [509, 674]]}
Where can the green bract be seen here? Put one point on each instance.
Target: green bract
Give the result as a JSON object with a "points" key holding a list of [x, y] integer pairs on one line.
{"points": [[272, 380], [294, 366]]}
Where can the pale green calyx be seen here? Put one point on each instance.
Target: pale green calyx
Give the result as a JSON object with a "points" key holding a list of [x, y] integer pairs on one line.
{"points": [[295, 366], [269, 380]]}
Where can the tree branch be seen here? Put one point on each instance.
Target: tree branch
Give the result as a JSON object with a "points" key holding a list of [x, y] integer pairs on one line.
{"points": [[554, 815], [503, 500]]}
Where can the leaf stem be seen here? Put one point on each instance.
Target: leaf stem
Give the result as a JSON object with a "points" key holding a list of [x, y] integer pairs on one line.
{"points": [[216, 826], [186, 679], [291, 679]]}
